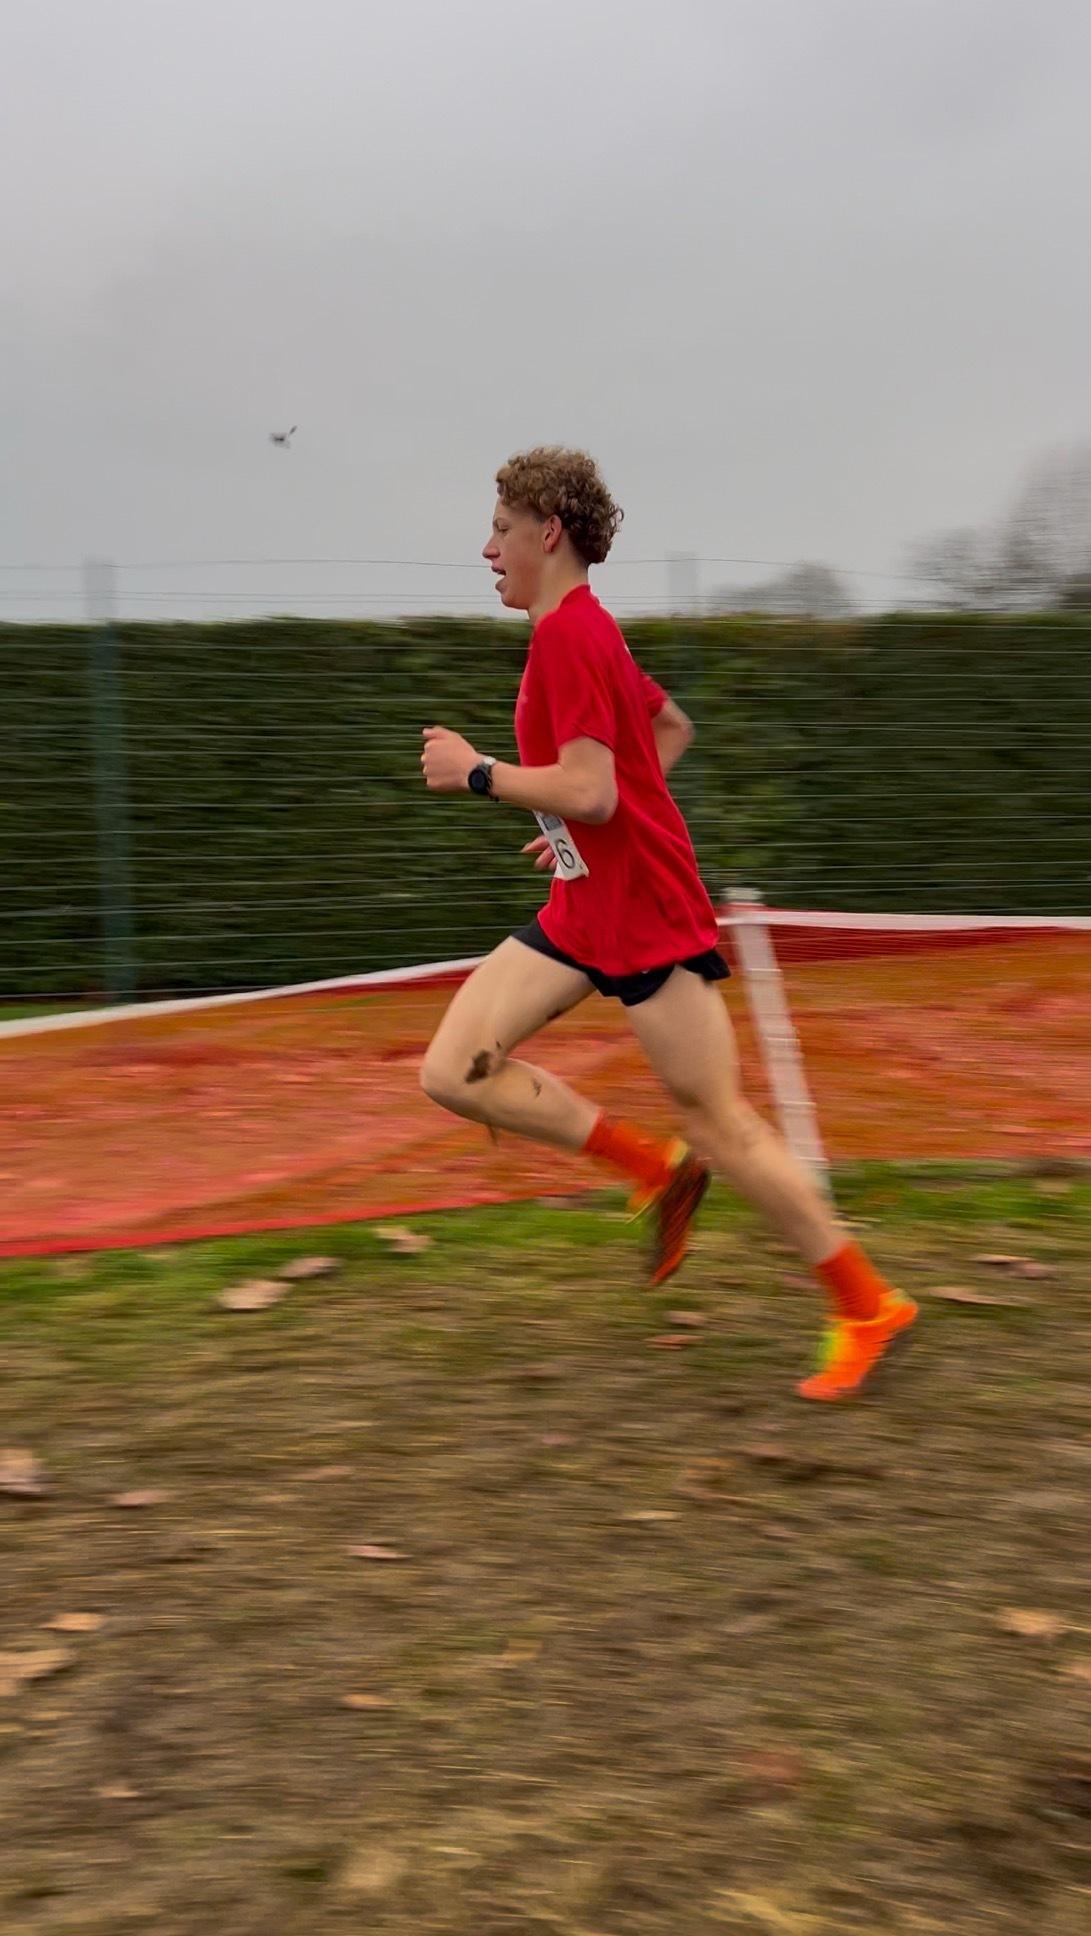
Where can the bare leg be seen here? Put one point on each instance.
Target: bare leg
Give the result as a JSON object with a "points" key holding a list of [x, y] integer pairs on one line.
{"points": [[468, 1068], [687, 1036]]}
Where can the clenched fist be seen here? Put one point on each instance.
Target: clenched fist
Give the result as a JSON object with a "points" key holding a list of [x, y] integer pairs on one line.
{"points": [[446, 760]]}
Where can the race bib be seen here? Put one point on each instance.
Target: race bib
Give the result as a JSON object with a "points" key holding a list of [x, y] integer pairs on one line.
{"points": [[571, 865]]}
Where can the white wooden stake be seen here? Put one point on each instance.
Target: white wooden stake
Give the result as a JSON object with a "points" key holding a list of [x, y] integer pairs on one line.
{"points": [[775, 1031]]}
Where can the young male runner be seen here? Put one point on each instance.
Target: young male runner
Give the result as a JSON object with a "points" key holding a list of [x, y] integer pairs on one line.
{"points": [[627, 914]]}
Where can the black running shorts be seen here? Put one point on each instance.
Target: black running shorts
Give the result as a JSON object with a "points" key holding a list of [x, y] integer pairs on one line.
{"points": [[629, 990]]}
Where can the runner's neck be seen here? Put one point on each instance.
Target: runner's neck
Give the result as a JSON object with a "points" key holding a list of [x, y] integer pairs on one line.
{"points": [[552, 599]]}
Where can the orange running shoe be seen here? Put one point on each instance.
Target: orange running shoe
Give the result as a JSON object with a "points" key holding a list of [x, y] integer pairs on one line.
{"points": [[674, 1204], [852, 1347]]}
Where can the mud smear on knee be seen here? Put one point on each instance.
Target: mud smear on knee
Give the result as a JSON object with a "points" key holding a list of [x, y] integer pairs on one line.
{"points": [[481, 1067]]}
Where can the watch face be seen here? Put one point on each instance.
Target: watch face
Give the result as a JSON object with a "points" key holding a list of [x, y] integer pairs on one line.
{"points": [[479, 779]]}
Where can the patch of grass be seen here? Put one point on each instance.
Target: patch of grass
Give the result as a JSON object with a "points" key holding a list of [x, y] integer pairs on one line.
{"points": [[21, 1011], [665, 1649]]}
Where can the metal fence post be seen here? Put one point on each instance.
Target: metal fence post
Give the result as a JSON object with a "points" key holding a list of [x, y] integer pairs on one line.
{"points": [[111, 787]]}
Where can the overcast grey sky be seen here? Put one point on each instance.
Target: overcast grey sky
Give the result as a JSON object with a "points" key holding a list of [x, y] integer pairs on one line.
{"points": [[810, 277]]}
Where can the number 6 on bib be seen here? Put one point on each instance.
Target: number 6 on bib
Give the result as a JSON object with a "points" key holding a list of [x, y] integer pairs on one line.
{"points": [[571, 865]]}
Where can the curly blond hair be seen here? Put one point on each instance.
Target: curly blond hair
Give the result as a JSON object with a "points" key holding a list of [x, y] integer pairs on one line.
{"points": [[555, 482]]}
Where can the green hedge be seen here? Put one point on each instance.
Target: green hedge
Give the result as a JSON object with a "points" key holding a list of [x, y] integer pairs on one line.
{"points": [[278, 827]]}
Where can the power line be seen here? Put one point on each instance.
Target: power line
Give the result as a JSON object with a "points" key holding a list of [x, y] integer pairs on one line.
{"points": [[442, 564]]}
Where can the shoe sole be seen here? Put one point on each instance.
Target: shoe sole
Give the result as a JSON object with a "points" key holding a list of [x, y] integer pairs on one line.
{"points": [[700, 1188], [891, 1357]]}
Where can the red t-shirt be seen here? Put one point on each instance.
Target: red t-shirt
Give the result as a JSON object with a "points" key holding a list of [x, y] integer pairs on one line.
{"points": [[641, 903]]}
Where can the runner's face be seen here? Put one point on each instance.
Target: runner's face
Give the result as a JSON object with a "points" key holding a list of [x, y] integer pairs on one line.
{"points": [[515, 553]]}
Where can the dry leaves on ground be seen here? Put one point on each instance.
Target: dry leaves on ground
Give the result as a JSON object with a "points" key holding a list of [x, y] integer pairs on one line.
{"points": [[1031, 1623], [705, 1481], [365, 1702], [772, 1771], [1019, 1266], [254, 1294], [31, 1664], [376, 1553], [76, 1622], [372, 1871], [302, 1268], [405, 1243], [519, 1653], [21, 1473], [140, 1497], [966, 1294]]}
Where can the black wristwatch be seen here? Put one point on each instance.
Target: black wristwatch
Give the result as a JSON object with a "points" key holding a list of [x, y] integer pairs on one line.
{"points": [[480, 778]]}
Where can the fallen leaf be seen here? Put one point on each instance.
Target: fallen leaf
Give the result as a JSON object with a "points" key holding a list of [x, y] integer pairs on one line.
{"points": [[302, 1268], [555, 1439], [768, 1913], [146, 1496], [1032, 1268], [1053, 1186], [965, 1294], [371, 1872], [1030, 1623], [773, 1769], [1047, 1499], [32, 1664], [703, 1481], [1078, 1670], [519, 1653], [376, 1553], [117, 1791], [256, 1294], [365, 1701], [76, 1622], [767, 1452], [694, 1319], [672, 1340], [325, 1472], [407, 1243], [997, 1259], [648, 1515], [748, 1623], [21, 1474]]}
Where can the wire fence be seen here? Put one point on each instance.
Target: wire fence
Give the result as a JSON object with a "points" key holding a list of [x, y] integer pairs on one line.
{"points": [[209, 588], [193, 807]]}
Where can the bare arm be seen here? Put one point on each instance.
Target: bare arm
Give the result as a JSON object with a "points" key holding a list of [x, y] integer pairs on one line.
{"points": [[582, 785], [673, 733]]}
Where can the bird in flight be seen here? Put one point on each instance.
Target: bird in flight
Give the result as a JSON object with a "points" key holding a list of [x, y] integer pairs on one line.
{"points": [[283, 437]]}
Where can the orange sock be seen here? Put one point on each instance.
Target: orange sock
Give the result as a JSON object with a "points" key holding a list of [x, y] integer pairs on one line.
{"points": [[630, 1149], [854, 1284]]}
